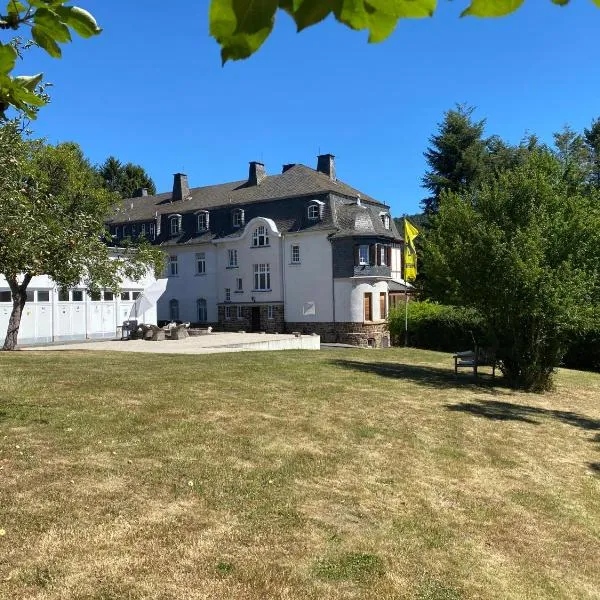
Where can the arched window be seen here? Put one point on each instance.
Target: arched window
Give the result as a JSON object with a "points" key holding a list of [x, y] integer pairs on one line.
{"points": [[174, 310], [238, 217], [202, 310], [202, 220], [260, 236]]}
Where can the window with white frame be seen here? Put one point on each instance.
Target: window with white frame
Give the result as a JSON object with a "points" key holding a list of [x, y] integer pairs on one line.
{"points": [[108, 296], [172, 266], [202, 221], [260, 236], [43, 296], [240, 312], [174, 309], [5, 296], [295, 255], [200, 263], [385, 219], [262, 277], [201, 310], [175, 224], [152, 230], [238, 217], [232, 258], [382, 255], [314, 212], [228, 313], [270, 312], [239, 286], [363, 255], [77, 295], [227, 294]]}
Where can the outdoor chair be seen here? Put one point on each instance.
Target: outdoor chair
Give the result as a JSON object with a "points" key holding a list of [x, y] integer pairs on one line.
{"points": [[473, 359]]}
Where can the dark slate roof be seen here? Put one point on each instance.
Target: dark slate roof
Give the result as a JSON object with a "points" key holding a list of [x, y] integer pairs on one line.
{"points": [[352, 219], [297, 181]]}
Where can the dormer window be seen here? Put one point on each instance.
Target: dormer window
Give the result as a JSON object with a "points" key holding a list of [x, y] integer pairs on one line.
{"points": [[385, 219], [260, 236], [175, 226], [315, 210], [202, 220], [238, 217]]}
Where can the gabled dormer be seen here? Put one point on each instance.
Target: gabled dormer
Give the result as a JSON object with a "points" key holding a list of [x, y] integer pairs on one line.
{"points": [[202, 221], [238, 218], [175, 225]]}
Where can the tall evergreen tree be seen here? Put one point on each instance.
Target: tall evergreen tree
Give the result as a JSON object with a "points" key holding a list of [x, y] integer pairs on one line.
{"points": [[591, 138], [573, 155], [456, 155], [125, 179]]}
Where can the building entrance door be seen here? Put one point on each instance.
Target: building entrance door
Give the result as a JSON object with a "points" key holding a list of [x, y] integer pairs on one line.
{"points": [[256, 318]]}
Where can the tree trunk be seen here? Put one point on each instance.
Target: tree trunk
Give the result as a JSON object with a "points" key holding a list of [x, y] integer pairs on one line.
{"points": [[19, 297]]}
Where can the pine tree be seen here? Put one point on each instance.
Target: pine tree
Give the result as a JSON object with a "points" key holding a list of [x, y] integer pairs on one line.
{"points": [[591, 138], [125, 179], [456, 155]]}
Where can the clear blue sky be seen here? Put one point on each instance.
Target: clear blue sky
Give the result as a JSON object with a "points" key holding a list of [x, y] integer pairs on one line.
{"points": [[151, 90]]}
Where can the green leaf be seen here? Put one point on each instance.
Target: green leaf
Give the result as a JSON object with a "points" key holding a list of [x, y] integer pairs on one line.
{"points": [[491, 8], [78, 19], [306, 12], [29, 82], [404, 8], [43, 40], [50, 22], [253, 16], [8, 58], [233, 23], [13, 7]]}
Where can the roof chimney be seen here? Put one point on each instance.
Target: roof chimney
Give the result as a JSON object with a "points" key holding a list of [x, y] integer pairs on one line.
{"points": [[140, 192], [181, 188], [326, 165], [256, 173], [287, 167]]}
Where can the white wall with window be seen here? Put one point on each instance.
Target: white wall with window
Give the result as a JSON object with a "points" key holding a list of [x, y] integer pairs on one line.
{"points": [[196, 278], [350, 299], [308, 283], [55, 314]]}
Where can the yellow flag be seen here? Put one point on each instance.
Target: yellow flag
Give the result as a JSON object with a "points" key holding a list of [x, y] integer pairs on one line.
{"points": [[410, 252]]}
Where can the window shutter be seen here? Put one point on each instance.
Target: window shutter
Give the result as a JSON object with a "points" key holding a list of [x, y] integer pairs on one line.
{"points": [[180, 221], [372, 255], [388, 253], [242, 218], [356, 255], [321, 211], [378, 254]]}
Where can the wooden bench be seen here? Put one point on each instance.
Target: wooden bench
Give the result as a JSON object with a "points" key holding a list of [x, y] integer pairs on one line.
{"points": [[473, 359]]}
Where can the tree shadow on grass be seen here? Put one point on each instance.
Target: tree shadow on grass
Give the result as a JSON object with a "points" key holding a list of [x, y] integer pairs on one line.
{"points": [[507, 411], [425, 375]]}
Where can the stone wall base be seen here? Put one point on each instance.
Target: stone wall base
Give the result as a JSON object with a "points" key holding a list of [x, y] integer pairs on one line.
{"points": [[375, 335]]}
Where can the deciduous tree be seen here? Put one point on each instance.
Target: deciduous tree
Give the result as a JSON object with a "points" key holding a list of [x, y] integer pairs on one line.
{"points": [[52, 211], [523, 248]]}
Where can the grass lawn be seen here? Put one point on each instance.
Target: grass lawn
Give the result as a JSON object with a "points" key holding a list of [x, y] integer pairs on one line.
{"points": [[293, 475]]}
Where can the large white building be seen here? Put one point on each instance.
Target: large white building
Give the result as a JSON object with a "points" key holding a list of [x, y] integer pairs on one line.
{"points": [[297, 251]]}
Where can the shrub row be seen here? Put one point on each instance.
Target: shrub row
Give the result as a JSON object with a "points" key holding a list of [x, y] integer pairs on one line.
{"points": [[452, 328], [438, 327]]}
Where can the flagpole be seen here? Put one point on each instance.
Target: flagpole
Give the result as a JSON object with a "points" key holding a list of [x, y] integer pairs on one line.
{"points": [[405, 291]]}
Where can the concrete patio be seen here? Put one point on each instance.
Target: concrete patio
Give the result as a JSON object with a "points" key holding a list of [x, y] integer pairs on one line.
{"points": [[203, 344]]}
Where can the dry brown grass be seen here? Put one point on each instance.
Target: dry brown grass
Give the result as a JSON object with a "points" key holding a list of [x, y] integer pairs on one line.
{"points": [[339, 474]]}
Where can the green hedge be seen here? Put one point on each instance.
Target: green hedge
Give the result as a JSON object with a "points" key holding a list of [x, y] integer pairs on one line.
{"points": [[448, 329], [438, 327]]}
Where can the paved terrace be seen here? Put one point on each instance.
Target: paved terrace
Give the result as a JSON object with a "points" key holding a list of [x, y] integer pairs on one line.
{"points": [[203, 344]]}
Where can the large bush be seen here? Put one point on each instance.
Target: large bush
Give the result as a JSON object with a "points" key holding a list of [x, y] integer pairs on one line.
{"points": [[438, 327], [524, 250]]}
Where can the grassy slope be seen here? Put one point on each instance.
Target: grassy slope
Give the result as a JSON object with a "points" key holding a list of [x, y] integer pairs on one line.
{"points": [[339, 474]]}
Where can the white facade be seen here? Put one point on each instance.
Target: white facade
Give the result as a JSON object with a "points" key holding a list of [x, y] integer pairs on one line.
{"points": [[300, 270], [52, 315]]}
